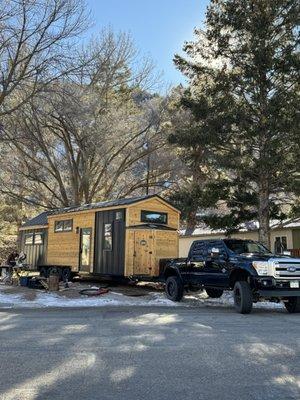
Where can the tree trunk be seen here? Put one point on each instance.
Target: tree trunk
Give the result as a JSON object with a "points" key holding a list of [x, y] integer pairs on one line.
{"points": [[264, 213], [191, 223]]}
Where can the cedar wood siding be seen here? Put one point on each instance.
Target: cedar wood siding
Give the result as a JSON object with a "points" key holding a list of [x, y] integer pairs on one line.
{"points": [[165, 243], [63, 247]]}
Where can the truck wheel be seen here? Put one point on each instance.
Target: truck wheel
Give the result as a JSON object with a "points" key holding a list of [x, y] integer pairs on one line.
{"points": [[174, 288], [214, 293], [243, 299], [293, 305]]}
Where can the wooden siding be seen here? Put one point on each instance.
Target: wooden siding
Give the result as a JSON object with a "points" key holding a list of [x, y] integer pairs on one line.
{"points": [[167, 246], [144, 260], [63, 247], [133, 216]]}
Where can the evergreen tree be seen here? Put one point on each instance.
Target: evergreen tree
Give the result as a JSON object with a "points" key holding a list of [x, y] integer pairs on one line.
{"points": [[250, 51]]}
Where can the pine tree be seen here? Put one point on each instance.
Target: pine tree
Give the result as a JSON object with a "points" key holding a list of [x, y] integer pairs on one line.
{"points": [[250, 51]]}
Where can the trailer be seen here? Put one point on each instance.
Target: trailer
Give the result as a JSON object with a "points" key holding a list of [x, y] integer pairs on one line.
{"points": [[123, 238]]}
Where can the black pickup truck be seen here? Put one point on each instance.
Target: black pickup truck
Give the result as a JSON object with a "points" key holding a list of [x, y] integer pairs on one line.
{"points": [[246, 267]]}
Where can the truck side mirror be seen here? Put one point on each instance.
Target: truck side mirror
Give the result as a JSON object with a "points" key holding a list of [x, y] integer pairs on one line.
{"points": [[214, 252]]}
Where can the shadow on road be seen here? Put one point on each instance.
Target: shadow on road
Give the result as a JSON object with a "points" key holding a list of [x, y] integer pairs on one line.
{"points": [[141, 353]]}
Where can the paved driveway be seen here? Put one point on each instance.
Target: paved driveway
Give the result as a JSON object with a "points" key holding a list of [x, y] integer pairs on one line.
{"points": [[160, 353]]}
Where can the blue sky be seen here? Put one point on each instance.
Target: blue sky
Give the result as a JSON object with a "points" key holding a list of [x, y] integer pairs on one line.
{"points": [[158, 27]]}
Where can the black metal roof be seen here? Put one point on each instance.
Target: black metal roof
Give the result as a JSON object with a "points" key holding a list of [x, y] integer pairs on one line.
{"points": [[106, 204], [39, 220]]}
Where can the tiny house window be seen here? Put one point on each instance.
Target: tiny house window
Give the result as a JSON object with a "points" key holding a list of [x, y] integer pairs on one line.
{"points": [[119, 215], [107, 237], [63, 226], [38, 238], [154, 217], [68, 225], [29, 238]]}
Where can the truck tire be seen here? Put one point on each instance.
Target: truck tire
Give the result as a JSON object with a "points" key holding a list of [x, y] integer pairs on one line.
{"points": [[293, 305], [243, 298], [174, 288], [214, 293]]}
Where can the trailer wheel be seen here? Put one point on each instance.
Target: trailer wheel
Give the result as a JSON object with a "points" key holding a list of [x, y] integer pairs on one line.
{"points": [[293, 305], [214, 293], [243, 298], [174, 288], [66, 274], [44, 272], [53, 271]]}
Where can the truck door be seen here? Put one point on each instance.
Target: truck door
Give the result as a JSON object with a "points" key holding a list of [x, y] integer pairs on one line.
{"points": [[216, 266], [196, 263]]}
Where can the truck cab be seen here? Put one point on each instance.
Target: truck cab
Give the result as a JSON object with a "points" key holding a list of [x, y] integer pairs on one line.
{"points": [[245, 267]]}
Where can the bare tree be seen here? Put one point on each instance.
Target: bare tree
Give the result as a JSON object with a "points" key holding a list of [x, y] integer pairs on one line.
{"points": [[37, 39], [84, 140]]}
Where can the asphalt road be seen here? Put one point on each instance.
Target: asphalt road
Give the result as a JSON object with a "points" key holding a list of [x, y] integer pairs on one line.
{"points": [[149, 353]]}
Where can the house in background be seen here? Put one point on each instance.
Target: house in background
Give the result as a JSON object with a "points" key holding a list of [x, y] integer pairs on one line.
{"points": [[285, 235]]}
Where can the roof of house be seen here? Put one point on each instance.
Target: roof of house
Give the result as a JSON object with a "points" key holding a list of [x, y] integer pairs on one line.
{"points": [[39, 220], [109, 203], [203, 229], [42, 219]]}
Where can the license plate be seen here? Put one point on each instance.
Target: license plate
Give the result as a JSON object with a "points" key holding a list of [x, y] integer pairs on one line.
{"points": [[294, 285]]}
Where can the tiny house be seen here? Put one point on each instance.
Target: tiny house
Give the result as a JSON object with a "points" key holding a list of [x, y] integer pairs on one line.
{"points": [[119, 238]]}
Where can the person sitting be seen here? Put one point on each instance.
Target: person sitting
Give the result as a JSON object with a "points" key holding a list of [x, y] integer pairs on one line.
{"points": [[12, 258]]}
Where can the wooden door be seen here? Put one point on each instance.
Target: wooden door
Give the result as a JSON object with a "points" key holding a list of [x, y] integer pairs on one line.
{"points": [[143, 255]]}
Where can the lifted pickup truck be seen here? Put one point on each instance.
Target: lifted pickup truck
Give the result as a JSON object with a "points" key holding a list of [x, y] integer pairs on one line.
{"points": [[246, 267]]}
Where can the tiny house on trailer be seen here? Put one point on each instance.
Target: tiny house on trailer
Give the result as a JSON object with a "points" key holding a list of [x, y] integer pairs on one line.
{"points": [[119, 238]]}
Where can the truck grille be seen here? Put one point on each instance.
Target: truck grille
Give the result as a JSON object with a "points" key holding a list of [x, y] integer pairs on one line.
{"points": [[287, 270]]}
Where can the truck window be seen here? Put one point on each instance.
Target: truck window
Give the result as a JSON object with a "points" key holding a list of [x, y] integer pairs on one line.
{"points": [[246, 246], [218, 245], [198, 250]]}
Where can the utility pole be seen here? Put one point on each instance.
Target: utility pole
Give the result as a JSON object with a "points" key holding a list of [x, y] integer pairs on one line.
{"points": [[146, 147]]}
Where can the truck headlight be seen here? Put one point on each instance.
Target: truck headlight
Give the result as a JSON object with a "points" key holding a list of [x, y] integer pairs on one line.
{"points": [[261, 267]]}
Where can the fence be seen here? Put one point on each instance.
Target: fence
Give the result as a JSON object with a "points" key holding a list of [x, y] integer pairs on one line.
{"points": [[295, 252]]}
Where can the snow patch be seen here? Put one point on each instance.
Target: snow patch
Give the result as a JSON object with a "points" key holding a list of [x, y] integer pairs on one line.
{"points": [[44, 299], [225, 301], [111, 299]]}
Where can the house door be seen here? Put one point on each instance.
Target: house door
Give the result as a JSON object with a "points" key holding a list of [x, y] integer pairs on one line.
{"points": [[143, 256], [85, 249]]}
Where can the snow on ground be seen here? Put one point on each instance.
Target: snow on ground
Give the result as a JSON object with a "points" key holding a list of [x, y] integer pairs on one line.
{"points": [[44, 299], [197, 299]]}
